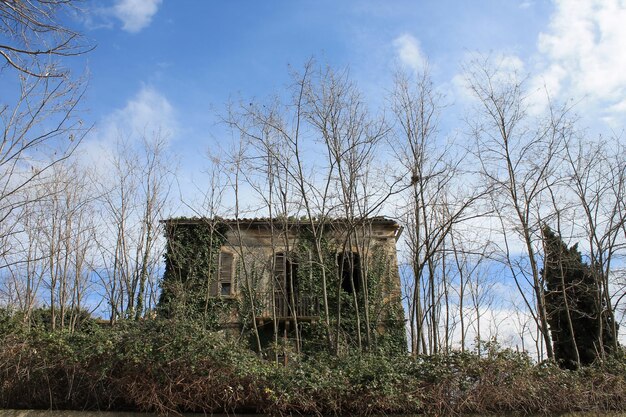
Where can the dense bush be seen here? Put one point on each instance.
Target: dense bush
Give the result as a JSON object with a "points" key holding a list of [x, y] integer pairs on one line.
{"points": [[176, 366]]}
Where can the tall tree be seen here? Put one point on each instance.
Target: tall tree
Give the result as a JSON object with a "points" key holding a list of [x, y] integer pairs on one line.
{"points": [[518, 155], [38, 124], [437, 201], [133, 198], [596, 177], [571, 294]]}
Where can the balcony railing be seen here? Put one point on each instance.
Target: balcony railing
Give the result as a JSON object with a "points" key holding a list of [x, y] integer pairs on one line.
{"points": [[279, 304]]}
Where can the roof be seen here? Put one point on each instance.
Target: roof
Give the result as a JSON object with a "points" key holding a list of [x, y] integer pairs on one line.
{"points": [[260, 221]]}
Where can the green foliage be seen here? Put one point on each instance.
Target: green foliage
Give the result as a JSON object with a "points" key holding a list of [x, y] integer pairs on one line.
{"points": [[129, 366], [42, 317], [9, 322], [386, 313], [574, 303], [192, 259], [174, 366], [191, 262]]}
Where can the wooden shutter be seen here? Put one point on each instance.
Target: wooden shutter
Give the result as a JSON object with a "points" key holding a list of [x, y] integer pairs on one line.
{"points": [[226, 274], [279, 271]]}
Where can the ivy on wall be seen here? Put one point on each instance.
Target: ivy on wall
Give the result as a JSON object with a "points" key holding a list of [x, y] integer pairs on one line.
{"points": [[191, 259], [191, 262], [387, 325]]}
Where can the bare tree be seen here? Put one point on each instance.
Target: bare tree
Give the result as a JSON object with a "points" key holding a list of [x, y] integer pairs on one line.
{"points": [[473, 285], [35, 37], [336, 111], [436, 201], [324, 114], [596, 175], [212, 209], [518, 157], [133, 199], [246, 259], [55, 235], [24, 274], [37, 111]]}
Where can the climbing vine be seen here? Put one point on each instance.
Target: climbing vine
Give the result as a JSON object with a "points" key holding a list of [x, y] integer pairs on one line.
{"points": [[386, 314], [191, 262]]}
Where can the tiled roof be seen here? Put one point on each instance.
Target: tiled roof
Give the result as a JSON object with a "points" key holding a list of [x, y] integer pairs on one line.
{"points": [[265, 220]]}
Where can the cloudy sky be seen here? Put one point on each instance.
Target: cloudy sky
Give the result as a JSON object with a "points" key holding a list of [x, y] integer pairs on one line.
{"points": [[174, 64]]}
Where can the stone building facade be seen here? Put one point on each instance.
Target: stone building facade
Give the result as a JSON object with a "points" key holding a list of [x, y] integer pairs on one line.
{"points": [[285, 273]]}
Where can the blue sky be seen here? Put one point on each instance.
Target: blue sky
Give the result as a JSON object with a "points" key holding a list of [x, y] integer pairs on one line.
{"points": [[174, 64], [198, 53]]}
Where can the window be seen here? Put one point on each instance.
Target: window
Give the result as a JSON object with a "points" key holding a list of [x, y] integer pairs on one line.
{"points": [[285, 273], [285, 284], [223, 284], [349, 264]]}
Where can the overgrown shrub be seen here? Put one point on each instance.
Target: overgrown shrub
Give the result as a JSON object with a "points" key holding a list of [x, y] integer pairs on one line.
{"points": [[173, 366]]}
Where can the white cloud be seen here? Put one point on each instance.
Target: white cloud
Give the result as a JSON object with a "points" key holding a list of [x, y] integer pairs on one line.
{"points": [[409, 52], [504, 68], [510, 64], [526, 4], [135, 14], [460, 89], [146, 111], [582, 53], [146, 114]]}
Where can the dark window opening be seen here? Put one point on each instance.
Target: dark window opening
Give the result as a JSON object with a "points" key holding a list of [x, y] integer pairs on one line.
{"points": [[292, 276], [226, 288], [350, 269], [285, 284]]}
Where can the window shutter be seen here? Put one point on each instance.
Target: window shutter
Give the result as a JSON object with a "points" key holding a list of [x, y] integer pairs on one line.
{"points": [[226, 274], [279, 270]]}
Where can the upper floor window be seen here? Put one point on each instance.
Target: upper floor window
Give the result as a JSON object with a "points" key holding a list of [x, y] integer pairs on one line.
{"points": [[349, 264], [223, 284], [285, 273]]}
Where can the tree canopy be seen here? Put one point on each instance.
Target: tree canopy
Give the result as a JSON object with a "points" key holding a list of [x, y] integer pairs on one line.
{"points": [[579, 327]]}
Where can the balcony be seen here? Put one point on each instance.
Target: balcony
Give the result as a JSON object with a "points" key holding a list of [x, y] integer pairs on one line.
{"points": [[278, 305]]}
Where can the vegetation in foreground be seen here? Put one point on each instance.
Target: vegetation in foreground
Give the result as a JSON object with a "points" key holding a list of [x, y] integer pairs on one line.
{"points": [[170, 366]]}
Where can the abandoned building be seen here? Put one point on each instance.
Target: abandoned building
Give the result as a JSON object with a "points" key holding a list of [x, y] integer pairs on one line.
{"points": [[285, 274]]}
